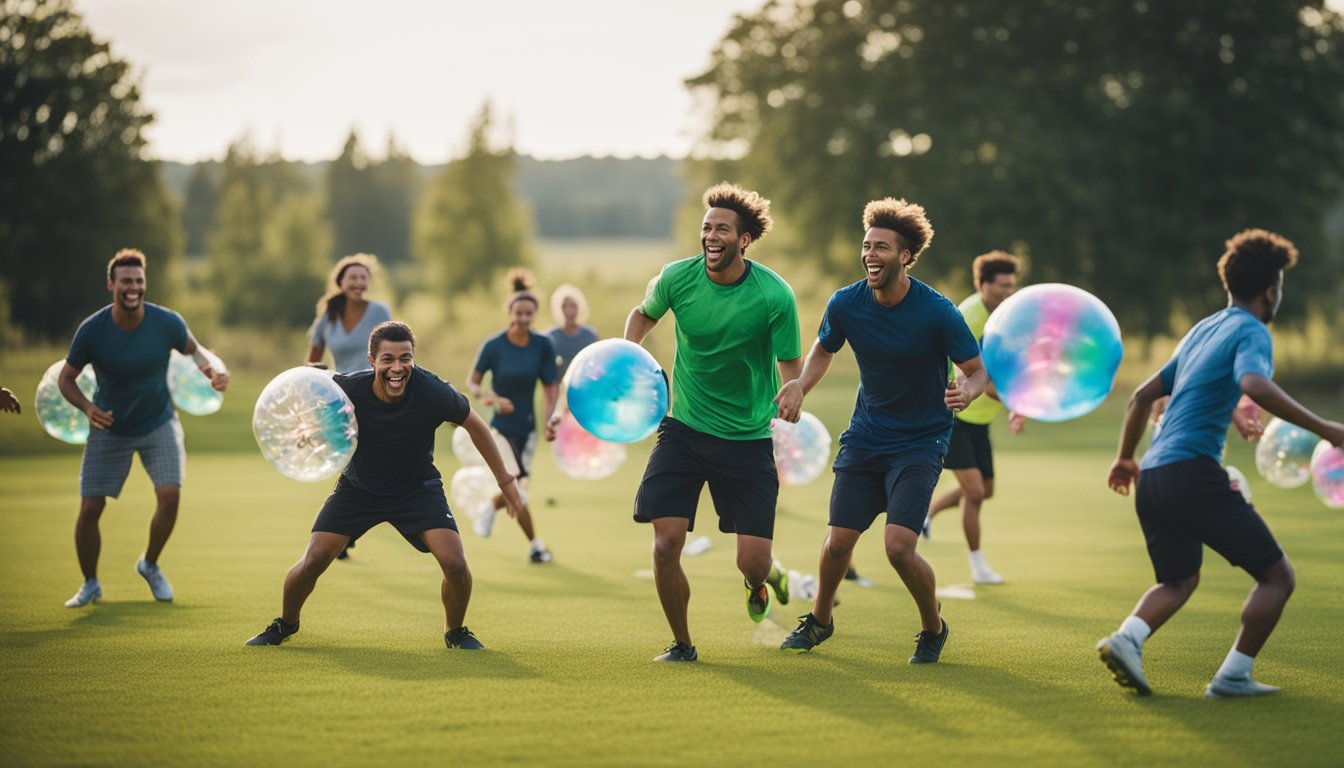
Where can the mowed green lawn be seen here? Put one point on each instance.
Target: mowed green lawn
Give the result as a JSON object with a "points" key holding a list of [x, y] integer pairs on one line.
{"points": [[568, 679]]}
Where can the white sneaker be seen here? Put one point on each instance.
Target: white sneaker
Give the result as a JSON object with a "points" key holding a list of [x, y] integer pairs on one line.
{"points": [[1124, 658], [485, 520], [89, 592], [158, 583], [985, 575], [1222, 687]]}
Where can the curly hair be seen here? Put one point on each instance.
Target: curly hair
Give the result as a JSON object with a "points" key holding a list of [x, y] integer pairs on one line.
{"points": [[988, 266], [126, 257], [332, 303], [753, 211], [912, 227], [1252, 262], [521, 281], [390, 330]]}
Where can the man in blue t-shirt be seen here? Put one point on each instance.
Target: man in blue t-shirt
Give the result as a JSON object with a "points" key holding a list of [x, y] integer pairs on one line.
{"points": [[903, 333], [128, 343], [1183, 498], [392, 478]]}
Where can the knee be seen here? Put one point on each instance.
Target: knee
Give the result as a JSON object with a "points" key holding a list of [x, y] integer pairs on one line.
{"points": [[314, 564], [899, 554], [91, 508], [667, 550], [1186, 587], [1283, 577], [168, 496], [974, 495], [837, 552], [455, 570]]}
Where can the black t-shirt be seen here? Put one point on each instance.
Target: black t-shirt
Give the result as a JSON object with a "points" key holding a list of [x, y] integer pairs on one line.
{"points": [[395, 453]]}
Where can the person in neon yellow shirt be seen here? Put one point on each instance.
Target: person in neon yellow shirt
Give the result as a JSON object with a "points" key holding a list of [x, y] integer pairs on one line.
{"points": [[969, 454]]}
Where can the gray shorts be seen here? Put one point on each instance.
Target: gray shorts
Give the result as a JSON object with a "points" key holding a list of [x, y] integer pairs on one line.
{"points": [[107, 458]]}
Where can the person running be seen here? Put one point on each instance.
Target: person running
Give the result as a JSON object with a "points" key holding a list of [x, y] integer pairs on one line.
{"points": [[516, 359], [969, 453], [391, 478], [128, 343], [737, 332], [1183, 498], [345, 318], [570, 335], [903, 333]]}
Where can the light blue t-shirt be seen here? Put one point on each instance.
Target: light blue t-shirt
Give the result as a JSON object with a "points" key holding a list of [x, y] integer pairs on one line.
{"points": [[902, 353], [131, 366], [1203, 378], [349, 351], [515, 372]]}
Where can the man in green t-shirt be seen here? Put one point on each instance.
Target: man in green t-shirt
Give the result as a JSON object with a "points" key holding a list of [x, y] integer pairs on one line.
{"points": [[737, 334], [969, 454]]}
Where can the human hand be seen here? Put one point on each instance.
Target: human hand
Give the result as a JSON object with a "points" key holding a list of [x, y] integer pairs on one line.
{"points": [[98, 418], [956, 398], [513, 501], [1246, 418], [1016, 422], [1124, 472], [503, 405], [790, 401]]}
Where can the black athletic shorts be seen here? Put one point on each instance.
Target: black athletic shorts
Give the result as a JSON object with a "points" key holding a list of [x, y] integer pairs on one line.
{"points": [[969, 448], [351, 511], [741, 476], [1186, 504], [902, 484]]}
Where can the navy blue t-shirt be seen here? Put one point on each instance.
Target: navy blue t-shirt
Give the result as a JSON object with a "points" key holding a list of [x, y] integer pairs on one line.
{"points": [[1203, 378], [131, 366], [395, 451], [902, 353], [515, 372]]}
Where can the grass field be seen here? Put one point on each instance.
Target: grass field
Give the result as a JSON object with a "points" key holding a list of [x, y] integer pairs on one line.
{"points": [[568, 680]]}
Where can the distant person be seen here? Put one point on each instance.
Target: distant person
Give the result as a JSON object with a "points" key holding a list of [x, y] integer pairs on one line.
{"points": [[8, 402], [128, 344], [737, 334], [344, 320], [570, 335], [517, 359], [391, 478], [969, 453], [902, 333], [1183, 497]]}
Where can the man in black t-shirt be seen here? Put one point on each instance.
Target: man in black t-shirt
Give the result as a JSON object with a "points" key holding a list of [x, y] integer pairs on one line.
{"points": [[392, 478]]}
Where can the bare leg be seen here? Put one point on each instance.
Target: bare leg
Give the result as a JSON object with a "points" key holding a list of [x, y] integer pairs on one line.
{"points": [[88, 539], [835, 554], [917, 574], [455, 590], [1263, 607], [973, 494], [754, 558], [674, 591], [323, 548], [1162, 601], [165, 517], [524, 517], [947, 500]]}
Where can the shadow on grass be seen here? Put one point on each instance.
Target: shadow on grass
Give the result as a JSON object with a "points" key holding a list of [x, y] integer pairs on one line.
{"points": [[85, 623], [392, 664]]}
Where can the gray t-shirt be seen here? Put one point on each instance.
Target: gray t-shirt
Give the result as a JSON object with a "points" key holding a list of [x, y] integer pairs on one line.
{"points": [[566, 346], [350, 351]]}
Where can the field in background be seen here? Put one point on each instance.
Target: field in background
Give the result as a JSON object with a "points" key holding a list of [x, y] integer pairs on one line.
{"points": [[567, 679]]}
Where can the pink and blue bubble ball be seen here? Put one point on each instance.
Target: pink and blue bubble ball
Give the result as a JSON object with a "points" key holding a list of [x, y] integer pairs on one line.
{"points": [[617, 391]]}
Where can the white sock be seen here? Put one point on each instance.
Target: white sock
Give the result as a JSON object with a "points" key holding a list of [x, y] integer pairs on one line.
{"points": [[538, 545], [1135, 629], [978, 561], [1237, 664]]}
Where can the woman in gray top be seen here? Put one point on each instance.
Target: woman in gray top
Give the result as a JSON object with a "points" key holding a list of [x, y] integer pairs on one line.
{"points": [[345, 318], [570, 335]]}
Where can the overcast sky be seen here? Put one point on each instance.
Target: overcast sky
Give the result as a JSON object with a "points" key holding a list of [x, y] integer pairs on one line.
{"points": [[601, 77]]}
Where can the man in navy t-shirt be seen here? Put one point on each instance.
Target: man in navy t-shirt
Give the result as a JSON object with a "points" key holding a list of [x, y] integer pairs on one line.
{"points": [[128, 343], [903, 333], [392, 478], [1183, 498]]}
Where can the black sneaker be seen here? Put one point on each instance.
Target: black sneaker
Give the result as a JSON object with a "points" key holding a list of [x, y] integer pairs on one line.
{"points": [[539, 557], [678, 651], [345, 551], [809, 634], [928, 646], [275, 634], [462, 639]]}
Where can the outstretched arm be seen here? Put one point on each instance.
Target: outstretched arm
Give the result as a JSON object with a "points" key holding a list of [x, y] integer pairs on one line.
{"points": [[1125, 471], [209, 363], [638, 325], [485, 443], [1272, 398], [790, 397]]}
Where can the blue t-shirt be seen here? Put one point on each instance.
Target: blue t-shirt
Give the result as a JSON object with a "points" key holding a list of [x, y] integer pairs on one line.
{"points": [[395, 451], [349, 351], [902, 353], [566, 346], [132, 366], [1203, 378], [515, 372]]}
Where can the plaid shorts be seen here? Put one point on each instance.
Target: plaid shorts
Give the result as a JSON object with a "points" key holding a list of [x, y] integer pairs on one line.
{"points": [[107, 458]]}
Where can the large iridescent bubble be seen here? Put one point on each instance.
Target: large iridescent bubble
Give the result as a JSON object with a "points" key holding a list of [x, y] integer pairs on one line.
{"points": [[470, 489], [305, 424], [616, 390], [582, 456], [1283, 456], [802, 450], [467, 455], [1052, 351], [1327, 474], [190, 389], [58, 417]]}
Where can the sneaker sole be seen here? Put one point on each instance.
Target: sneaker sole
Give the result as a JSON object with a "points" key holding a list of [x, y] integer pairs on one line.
{"points": [[1121, 673]]}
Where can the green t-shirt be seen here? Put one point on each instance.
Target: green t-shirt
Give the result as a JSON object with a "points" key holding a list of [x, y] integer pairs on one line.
{"points": [[983, 409], [724, 378]]}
